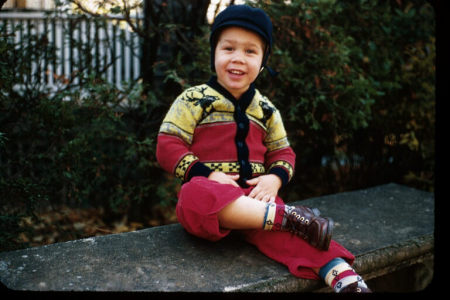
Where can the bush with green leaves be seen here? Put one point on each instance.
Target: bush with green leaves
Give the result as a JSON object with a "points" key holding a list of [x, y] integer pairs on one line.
{"points": [[356, 89], [89, 147]]}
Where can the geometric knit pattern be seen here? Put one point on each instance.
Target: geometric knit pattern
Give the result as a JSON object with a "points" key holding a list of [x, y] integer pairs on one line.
{"points": [[202, 107], [234, 167], [197, 103], [285, 165], [183, 165], [269, 217], [338, 274]]}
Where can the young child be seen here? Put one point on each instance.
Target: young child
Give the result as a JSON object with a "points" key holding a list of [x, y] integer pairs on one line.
{"points": [[228, 144]]}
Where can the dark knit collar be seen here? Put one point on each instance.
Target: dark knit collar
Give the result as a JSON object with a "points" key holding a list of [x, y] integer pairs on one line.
{"points": [[245, 99]]}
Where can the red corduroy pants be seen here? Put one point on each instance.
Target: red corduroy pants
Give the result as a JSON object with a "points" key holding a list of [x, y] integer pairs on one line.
{"points": [[199, 202]]}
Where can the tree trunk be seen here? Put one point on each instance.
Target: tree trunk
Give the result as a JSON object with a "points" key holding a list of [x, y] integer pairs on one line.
{"points": [[150, 44]]}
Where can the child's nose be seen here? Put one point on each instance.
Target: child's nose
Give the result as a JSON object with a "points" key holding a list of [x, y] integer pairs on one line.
{"points": [[238, 57]]}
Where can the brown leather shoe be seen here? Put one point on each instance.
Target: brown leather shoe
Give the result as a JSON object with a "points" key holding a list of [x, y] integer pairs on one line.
{"points": [[313, 210], [306, 223]]}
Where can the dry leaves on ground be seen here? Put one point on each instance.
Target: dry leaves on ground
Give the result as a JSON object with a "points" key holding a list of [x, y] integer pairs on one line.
{"points": [[62, 224]]}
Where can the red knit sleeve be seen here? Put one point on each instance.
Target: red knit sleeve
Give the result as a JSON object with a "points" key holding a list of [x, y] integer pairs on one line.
{"points": [[281, 162], [170, 150], [279, 158], [175, 137], [174, 156]]}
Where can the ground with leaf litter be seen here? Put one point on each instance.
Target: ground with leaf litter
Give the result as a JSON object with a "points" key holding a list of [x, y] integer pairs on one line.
{"points": [[63, 223]]}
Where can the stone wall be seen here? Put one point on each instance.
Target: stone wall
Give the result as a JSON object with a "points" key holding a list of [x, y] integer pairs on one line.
{"points": [[389, 228]]}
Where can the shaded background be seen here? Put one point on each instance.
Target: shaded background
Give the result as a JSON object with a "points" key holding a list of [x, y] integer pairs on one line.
{"points": [[84, 89]]}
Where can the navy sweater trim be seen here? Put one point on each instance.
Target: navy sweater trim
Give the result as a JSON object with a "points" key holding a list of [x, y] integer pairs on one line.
{"points": [[198, 169], [242, 125], [280, 172], [242, 130]]}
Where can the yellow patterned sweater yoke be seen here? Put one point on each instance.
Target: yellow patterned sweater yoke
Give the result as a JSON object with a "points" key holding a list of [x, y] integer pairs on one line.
{"points": [[202, 105]]}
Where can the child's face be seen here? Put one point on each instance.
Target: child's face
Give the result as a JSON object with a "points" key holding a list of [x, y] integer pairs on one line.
{"points": [[238, 58]]}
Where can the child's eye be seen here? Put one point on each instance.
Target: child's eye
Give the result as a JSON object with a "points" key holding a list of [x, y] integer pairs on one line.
{"points": [[250, 51]]}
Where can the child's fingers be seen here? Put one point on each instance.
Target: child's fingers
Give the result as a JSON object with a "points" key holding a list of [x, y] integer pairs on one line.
{"points": [[233, 182], [266, 198], [234, 177], [254, 193], [261, 195], [253, 181]]}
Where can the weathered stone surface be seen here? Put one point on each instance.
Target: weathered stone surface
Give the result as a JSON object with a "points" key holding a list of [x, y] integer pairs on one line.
{"points": [[378, 217], [384, 226]]}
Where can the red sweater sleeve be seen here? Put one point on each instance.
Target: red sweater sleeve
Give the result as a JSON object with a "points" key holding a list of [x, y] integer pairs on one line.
{"points": [[175, 137], [174, 156], [281, 162], [279, 158]]}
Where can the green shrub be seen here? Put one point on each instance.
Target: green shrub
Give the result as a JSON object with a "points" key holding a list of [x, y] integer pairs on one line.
{"points": [[93, 146], [356, 89]]}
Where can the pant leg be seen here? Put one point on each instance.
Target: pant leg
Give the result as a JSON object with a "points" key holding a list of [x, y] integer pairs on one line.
{"points": [[199, 202], [294, 252]]}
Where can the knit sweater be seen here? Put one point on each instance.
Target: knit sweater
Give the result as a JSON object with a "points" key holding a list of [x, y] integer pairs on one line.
{"points": [[206, 129]]}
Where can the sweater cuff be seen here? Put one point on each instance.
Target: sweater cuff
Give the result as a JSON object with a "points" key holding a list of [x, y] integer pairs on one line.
{"points": [[198, 169], [282, 173]]}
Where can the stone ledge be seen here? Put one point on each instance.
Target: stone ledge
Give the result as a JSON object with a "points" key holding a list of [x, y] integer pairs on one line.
{"points": [[379, 225]]}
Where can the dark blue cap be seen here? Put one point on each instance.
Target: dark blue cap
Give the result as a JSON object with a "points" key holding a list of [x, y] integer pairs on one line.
{"points": [[251, 18]]}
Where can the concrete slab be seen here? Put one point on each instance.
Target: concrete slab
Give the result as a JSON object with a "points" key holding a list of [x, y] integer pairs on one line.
{"points": [[383, 226]]}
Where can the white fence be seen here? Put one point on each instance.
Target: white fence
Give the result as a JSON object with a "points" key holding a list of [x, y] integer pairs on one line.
{"points": [[114, 52]]}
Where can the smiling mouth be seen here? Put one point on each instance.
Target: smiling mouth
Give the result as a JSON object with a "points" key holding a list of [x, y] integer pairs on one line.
{"points": [[236, 72]]}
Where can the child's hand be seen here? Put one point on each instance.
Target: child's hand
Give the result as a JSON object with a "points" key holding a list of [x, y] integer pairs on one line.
{"points": [[266, 187], [223, 178]]}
